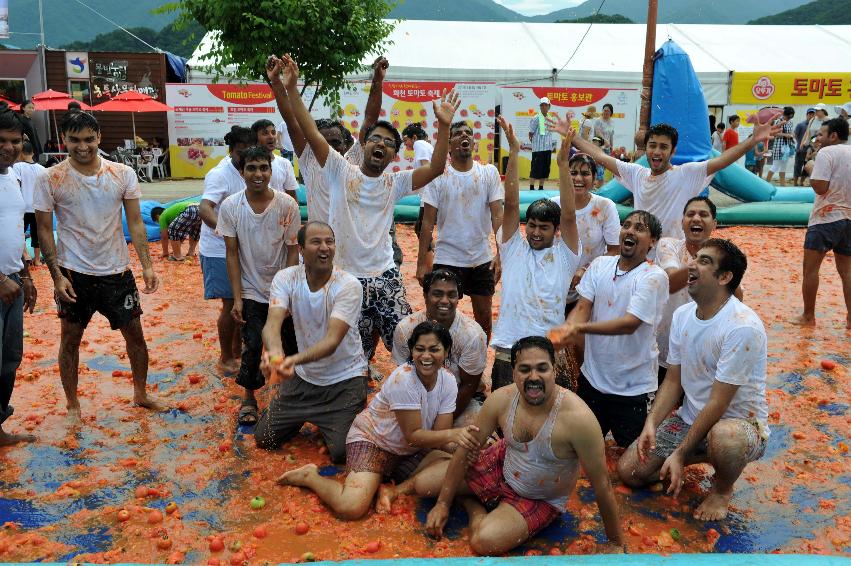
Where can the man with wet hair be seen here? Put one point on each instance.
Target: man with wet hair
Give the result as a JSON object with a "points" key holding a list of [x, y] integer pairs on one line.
{"points": [[468, 356], [362, 200], [89, 262], [621, 299], [717, 364], [663, 189], [466, 205], [520, 484], [537, 268]]}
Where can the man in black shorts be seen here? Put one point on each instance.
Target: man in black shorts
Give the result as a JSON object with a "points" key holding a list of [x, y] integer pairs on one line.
{"points": [[829, 227], [466, 204], [91, 270]]}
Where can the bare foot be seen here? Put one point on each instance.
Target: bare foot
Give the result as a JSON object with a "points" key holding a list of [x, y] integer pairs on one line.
{"points": [[803, 321], [148, 402], [299, 476], [228, 368], [74, 416], [714, 507], [386, 495], [7, 439]]}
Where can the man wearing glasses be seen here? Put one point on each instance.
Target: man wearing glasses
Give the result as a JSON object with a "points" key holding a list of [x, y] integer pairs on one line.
{"points": [[362, 200]]}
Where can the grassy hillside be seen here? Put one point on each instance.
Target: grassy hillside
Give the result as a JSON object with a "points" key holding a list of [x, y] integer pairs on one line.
{"points": [[680, 11]]}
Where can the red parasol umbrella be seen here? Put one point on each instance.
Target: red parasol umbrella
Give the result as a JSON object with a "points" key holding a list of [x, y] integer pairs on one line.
{"points": [[55, 100], [133, 101], [12, 105]]}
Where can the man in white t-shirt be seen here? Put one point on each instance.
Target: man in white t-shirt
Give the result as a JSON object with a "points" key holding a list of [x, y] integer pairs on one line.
{"points": [[537, 268], [283, 174], [325, 383], [221, 182], [663, 189], [89, 263], [17, 292], [28, 171], [416, 139], [362, 206], [620, 304], [259, 226], [718, 358], [466, 204], [829, 227], [469, 353]]}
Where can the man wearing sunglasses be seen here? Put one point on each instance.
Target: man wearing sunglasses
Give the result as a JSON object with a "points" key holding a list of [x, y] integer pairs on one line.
{"points": [[361, 204]]}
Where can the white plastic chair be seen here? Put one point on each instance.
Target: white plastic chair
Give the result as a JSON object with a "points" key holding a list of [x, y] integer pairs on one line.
{"points": [[159, 161]]}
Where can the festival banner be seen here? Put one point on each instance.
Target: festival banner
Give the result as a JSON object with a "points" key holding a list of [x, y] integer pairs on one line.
{"points": [[204, 113], [521, 103], [407, 102], [779, 89]]}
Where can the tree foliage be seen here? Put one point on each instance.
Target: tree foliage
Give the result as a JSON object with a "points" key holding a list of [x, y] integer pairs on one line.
{"points": [[598, 19], [328, 38], [820, 12], [181, 41]]}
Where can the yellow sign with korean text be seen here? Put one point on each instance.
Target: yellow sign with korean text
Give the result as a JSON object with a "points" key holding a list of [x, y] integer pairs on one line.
{"points": [[790, 88]]}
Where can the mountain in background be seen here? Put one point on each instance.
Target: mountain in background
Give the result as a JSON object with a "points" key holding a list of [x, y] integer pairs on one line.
{"points": [[680, 11], [834, 12], [67, 22]]}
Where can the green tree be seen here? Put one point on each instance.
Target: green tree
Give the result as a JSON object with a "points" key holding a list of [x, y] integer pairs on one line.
{"points": [[598, 19], [328, 38]]}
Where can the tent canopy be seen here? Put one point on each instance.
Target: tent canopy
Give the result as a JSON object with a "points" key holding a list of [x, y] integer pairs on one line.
{"points": [[610, 54]]}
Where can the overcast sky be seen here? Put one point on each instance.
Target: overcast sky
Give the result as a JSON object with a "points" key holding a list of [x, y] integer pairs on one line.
{"points": [[536, 7]]}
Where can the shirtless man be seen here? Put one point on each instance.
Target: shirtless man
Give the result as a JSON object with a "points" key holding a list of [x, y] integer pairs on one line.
{"points": [[530, 474], [91, 271], [469, 353], [717, 358]]}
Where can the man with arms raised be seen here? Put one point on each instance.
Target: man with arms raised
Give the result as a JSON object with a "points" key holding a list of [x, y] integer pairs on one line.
{"points": [[17, 292], [527, 477], [90, 264], [362, 200], [829, 227], [538, 268], [466, 203], [469, 353], [259, 226], [717, 359], [620, 304], [325, 382], [663, 189]]}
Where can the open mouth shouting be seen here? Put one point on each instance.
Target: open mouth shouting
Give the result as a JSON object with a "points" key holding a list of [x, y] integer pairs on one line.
{"points": [[696, 229], [533, 390], [628, 244], [656, 162], [378, 153]]}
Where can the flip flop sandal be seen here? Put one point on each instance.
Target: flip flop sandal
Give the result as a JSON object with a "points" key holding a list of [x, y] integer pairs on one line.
{"points": [[248, 414]]}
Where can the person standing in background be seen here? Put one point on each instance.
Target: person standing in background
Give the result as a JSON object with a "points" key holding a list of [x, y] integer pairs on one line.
{"points": [[543, 144]]}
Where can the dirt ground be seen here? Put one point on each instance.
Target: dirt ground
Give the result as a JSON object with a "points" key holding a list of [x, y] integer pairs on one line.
{"points": [[60, 497]]}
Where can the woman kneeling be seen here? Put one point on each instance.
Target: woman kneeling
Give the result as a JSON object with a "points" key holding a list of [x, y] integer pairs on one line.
{"points": [[410, 414]]}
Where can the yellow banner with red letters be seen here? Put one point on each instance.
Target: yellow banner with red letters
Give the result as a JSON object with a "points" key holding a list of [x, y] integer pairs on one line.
{"points": [[790, 88]]}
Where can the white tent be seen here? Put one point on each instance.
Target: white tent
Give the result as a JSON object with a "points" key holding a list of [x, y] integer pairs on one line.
{"points": [[600, 54]]}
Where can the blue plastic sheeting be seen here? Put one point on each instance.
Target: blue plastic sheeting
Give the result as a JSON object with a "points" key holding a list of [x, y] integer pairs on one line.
{"points": [[177, 65], [678, 100], [616, 560], [794, 194]]}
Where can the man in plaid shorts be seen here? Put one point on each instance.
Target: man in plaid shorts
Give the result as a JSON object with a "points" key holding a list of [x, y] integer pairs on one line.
{"points": [[178, 222], [717, 360], [521, 483]]}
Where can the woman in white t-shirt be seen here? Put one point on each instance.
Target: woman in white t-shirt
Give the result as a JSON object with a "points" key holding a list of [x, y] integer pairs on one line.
{"points": [[596, 219], [411, 414]]}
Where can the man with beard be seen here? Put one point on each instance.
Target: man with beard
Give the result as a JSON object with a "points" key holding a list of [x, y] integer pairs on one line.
{"points": [[539, 267], [466, 204], [718, 359], [520, 484], [91, 271], [663, 189], [674, 257], [362, 200], [469, 353], [283, 175], [620, 304]]}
